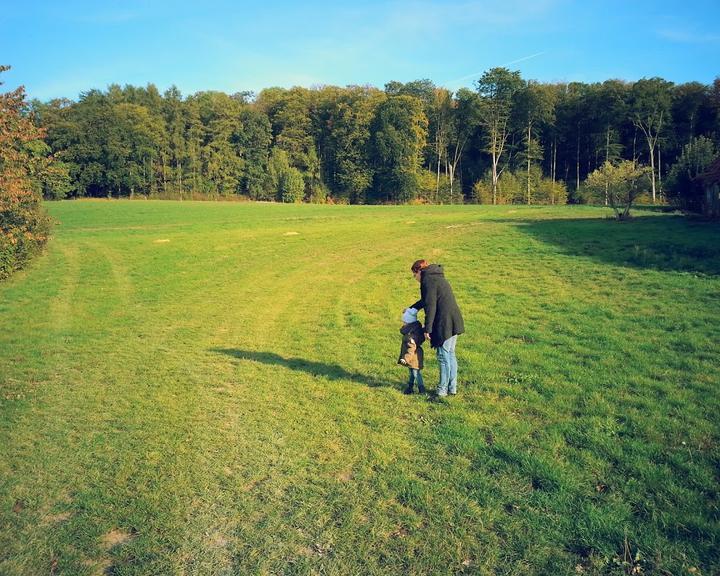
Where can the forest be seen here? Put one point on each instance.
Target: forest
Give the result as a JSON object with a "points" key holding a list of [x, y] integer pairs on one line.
{"points": [[507, 140]]}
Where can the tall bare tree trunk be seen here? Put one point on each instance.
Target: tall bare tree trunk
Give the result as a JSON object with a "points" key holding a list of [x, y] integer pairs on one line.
{"points": [[607, 145], [451, 175], [164, 174], [438, 145], [652, 130], [692, 127], [607, 159], [635, 159], [178, 166], [577, 163], [660, 188], [494, 177], [452, 166], [528, 162], [651, 146], [437, 180]]}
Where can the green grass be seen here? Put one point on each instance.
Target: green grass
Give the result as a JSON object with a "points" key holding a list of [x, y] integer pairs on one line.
{"points": [[209, 388]]}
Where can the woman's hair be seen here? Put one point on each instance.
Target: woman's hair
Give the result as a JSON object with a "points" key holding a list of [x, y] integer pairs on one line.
{"points": [[419, 265]]}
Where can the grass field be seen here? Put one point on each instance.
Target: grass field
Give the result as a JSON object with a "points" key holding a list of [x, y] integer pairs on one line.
{"points": [[211, 388]]}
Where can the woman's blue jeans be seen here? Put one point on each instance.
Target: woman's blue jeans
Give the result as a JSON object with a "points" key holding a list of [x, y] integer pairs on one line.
{"points": [[448, 367]]}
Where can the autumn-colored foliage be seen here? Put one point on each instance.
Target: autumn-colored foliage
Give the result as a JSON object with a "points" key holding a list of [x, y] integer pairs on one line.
{"points": [[24, 226]]}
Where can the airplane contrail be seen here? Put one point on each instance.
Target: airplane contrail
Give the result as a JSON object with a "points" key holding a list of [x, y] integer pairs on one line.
{"points": [[523, 58], [501, 66]]}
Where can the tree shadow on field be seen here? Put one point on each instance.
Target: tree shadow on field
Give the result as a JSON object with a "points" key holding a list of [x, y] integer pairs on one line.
{"points": [[672, 243], [329, 371]]}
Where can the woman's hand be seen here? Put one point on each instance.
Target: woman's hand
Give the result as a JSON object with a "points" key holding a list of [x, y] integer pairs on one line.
{"points": [[427, 336]]}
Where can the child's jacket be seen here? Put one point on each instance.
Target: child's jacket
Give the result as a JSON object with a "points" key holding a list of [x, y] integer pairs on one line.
{"points": [[411, 352]]}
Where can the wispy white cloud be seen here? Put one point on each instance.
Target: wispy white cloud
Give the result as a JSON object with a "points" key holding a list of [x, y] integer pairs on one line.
{"points": [[432, 15], [107, 16], [407, 23], [685, 36], [397, 33]]}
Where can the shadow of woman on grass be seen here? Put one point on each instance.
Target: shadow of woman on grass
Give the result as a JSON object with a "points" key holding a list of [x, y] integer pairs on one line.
{"points": [[329, 371]]}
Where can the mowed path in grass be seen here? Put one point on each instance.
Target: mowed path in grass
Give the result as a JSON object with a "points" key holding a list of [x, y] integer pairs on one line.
{"points": [[211, 388]]}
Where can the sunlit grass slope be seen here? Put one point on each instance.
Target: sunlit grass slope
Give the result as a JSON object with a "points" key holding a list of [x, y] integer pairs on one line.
{"points": [[209, 388]]}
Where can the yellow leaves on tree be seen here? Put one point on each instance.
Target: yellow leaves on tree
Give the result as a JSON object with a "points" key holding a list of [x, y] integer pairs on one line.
{"points": [[23, 224]]}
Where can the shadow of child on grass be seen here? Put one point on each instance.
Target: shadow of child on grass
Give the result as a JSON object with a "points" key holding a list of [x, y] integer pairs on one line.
{"points": [[329, 371]]}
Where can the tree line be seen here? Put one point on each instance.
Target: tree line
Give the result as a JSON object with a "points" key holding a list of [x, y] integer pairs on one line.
{"points": [[508, 140]]}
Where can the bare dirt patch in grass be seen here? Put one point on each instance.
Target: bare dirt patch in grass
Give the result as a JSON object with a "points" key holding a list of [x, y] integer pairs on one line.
{"points": [[57, 518], [100, 567], [217, 540], [115, 538], [345, 476]]}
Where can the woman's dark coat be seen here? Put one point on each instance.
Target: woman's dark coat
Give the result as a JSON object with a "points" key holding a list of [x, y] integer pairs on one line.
{"points": [[442, 315]]}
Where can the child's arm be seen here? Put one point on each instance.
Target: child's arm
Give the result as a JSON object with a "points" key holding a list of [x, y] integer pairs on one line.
{"points": [[410, 351]]}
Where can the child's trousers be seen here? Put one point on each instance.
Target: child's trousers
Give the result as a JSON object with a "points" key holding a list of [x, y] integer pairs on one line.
{"points": [[416, 378]]}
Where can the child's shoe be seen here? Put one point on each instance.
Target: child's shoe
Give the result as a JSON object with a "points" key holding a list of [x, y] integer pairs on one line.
{"points": [[408, 390], [421, 389]]}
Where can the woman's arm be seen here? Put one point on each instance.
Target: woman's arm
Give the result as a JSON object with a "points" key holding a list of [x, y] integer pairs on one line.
{"points": [[429, 296], [420, 304]]}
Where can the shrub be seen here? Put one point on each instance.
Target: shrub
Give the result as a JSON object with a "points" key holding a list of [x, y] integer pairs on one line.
{"points": [[550, 192], [434, 191], [292, 185], [482, 191], [317, 192], [513, 189]]}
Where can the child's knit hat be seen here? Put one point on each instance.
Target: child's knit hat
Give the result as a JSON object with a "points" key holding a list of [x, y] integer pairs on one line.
{"points": [[409, 315]]}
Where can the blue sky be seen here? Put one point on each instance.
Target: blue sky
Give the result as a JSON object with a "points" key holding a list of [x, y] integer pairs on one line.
{"points": [[63, 48]]}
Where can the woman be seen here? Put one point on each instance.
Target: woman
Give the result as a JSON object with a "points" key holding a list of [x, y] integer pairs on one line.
{"points": [[443, 321]]}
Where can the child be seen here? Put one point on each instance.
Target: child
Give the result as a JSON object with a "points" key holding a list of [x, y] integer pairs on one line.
{"points": [[411, 352]]}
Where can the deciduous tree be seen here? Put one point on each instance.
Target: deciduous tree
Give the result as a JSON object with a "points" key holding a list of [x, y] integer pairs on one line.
{"points": [[497, 89], [24, 227], [534, 106], [398, 135], [624, 182], [650, 110]]}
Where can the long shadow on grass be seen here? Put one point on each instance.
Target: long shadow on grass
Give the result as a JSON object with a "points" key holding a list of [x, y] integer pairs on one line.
{"points": [[329, 371], [673, 243]]}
